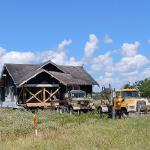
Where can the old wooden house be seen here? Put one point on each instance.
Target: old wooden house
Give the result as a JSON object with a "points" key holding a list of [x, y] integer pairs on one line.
{"points": [[40, 84]]}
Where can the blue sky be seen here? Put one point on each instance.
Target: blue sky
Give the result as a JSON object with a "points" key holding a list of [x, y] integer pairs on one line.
{"points": [[104, 35]]}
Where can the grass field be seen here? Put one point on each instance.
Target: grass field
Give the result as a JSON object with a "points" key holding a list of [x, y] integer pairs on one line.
{"points": [[71, 132]]}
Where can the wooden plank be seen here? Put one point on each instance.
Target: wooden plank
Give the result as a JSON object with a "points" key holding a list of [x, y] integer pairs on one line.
{"points": [[44, 94], [42, 104], [33, 95], [47, 92], [55, 92], [52, 94], [41, 85]]}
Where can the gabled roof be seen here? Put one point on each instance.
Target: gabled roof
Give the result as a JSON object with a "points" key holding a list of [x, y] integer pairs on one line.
{"points": [[18, 72], [49, 62], [70, 75]]}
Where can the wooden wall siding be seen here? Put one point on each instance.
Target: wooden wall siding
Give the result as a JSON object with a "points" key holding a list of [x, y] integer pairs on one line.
{"points": [[9, 89]]}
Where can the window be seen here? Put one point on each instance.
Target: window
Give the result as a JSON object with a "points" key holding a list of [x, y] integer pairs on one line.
{"points": [[130, 94], [78, 94]]}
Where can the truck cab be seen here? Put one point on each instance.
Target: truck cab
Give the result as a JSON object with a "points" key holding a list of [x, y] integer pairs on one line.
{"points": [[78, 100], [129, 100]]}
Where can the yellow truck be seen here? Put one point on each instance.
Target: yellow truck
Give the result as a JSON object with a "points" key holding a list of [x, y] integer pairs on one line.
{"points": [[129, 100]]}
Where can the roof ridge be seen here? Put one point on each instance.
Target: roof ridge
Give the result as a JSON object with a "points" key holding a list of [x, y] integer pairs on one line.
{"points": [[19, 64], [70, 66]]}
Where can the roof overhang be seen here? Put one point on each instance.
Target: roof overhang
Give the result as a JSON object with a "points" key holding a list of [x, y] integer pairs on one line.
{"points": [[5, 67], [41, 85]]}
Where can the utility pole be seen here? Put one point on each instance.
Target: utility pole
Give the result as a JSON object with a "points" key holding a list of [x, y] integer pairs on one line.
{"points": [[112, 101]]}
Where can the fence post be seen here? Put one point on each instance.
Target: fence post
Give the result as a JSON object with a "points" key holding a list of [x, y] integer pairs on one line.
{"points": [[35, 122]]}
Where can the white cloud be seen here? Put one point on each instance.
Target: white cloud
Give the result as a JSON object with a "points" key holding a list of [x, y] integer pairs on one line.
{"points": [[146, 73], [17, 57], [102, 62], [105, 80], [64, 43], [91, 45], [73, 62], [131, 74], [107, 39], [129, 68], [108, 74], [128, 63], [130, 49], [2, 51], [59, 56]]}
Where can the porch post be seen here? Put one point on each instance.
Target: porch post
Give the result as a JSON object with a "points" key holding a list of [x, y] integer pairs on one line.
{"points": [[44, 96]]}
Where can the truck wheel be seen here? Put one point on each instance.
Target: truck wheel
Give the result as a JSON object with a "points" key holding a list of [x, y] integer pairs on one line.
{"points": [[70, 109], [99, 110], [124, 113]]}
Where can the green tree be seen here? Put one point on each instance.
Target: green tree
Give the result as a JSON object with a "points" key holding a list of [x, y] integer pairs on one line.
{"points": [[144, 87]]}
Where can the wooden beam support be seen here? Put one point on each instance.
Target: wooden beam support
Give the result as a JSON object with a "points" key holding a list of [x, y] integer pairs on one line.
{"points": [[44, 96], [33, 95], [41, 85], [51, 94], [55, 92], [51, 104], [47, 92]]}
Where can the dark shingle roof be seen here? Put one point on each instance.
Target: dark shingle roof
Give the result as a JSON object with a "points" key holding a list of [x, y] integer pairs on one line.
{"points": [[71, 74], [78, 73], [20, 71]]}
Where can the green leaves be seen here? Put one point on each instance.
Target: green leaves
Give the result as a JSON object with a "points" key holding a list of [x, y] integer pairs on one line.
{"points": [[144, 87]]}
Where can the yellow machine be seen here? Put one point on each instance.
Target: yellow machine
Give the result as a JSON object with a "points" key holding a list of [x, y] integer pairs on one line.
{"points": [[129, 100]]}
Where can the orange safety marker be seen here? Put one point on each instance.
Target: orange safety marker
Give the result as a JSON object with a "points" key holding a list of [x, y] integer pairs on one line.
{"points": [[35, 123]]}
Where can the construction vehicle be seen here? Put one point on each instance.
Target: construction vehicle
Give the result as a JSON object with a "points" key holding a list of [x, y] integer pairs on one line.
{"points": [[121, 102], [77, 100], [128, 100]]}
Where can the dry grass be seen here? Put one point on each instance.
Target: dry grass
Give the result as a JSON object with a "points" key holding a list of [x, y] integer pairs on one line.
{"points": [[65, 132]]}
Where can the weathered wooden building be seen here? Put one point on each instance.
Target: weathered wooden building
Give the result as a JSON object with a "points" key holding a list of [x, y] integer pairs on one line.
{"points": [[39, 84]]}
